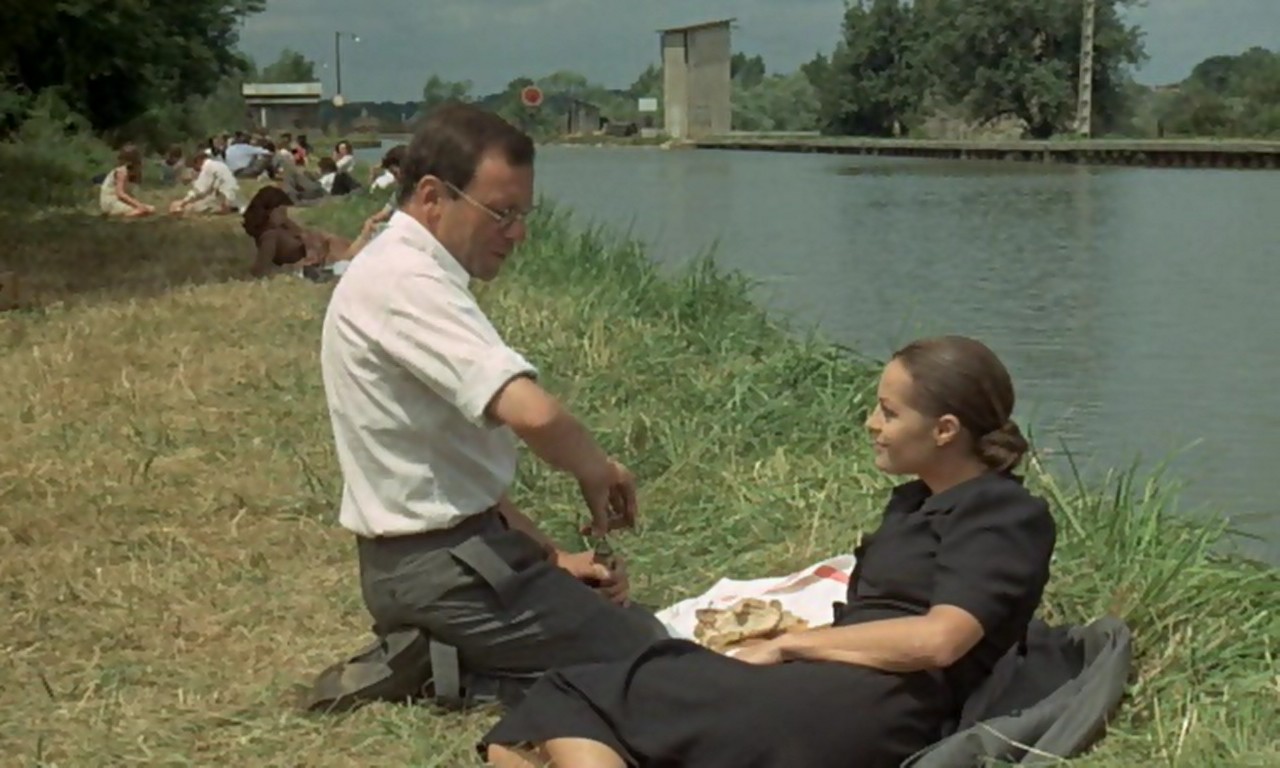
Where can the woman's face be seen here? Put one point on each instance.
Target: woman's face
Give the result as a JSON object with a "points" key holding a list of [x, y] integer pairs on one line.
{"points": [[905, 440]]}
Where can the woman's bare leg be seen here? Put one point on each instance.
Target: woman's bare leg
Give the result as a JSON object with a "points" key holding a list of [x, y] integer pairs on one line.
{"points": [[557, 753], [506, 757], [582, 753]]}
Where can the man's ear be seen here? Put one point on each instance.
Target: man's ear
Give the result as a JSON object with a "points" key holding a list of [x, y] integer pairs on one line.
{"points": [[428, 191], [946, 430]]}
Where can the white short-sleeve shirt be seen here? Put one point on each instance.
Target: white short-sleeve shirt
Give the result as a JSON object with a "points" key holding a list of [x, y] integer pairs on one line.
{"points": [[216, 178], [409, 364]]}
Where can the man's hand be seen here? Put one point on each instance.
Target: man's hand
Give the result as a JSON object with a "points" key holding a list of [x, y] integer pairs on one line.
{"points": [[559, 439], [610, 498], [582, 567], [612, 585], [617, 587]]}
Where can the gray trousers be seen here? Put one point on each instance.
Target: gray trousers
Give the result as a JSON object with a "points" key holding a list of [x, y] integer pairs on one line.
{"points": [[491, 593]]}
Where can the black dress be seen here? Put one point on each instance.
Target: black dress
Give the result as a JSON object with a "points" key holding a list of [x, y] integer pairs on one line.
{"points": [[983, 545]]}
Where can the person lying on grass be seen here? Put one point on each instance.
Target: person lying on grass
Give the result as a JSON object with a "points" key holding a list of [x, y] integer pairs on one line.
{"points": [[945, 586], [282, 242]]}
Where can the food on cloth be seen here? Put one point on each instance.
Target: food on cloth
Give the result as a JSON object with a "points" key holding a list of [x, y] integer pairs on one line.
{"points": [[748, 619]]}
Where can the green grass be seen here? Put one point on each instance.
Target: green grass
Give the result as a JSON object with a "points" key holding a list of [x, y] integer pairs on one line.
{"points": [[170, 560]]}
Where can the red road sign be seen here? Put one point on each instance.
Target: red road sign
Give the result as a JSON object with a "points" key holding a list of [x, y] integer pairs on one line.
{"points": [[531, 95]]}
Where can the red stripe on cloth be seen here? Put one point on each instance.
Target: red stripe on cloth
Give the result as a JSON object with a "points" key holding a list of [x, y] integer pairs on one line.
{"points": [[827, 572]]}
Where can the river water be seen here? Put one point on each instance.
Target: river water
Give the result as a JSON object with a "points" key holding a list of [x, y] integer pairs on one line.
{"points": [[1135, 308]]}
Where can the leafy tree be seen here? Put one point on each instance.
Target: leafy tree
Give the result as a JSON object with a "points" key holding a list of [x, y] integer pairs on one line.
{"points": [[817, 70], [747, 71], [1227, 96], [1198, 111], [438, 91], [649, 83], [1254, 74], [1021, 58], [1216, 73], [112, 61], [873, 86], [567, 83], [777, 103], [291, 67]]}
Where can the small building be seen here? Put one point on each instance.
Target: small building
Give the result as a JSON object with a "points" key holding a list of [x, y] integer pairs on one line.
{"points": [[582, 117], [696, 79], [283, 106]]}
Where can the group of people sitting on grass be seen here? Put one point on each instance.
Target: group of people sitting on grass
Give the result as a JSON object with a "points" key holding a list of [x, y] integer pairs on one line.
{"points": [[280, 243], [214, 173]]}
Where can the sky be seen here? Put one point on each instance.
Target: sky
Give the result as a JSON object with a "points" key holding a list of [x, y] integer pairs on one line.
{"points": [[490, 42]]}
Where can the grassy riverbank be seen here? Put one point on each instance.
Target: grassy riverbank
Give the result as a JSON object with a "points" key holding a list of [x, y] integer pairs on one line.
{"points": [[171, 564]]}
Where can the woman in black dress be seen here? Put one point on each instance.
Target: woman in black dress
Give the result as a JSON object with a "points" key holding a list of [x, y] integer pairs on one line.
{"points": [[942, 589]]}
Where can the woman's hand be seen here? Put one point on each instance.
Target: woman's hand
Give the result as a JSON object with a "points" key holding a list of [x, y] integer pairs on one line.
{"points": [[763, 654]]}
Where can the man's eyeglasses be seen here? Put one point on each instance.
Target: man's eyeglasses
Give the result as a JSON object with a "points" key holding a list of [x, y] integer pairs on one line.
{"points": [[504, 219]]}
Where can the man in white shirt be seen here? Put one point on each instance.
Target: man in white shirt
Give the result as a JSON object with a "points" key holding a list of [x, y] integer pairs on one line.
{"points": [[427, 401], [215, 189]]}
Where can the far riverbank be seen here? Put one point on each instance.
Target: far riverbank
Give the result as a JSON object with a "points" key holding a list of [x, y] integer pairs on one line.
{"points": [[1153, 153]]}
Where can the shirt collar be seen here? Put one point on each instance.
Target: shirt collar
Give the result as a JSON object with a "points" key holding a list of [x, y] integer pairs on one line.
{"points": [[916, 496], [412, 233]]}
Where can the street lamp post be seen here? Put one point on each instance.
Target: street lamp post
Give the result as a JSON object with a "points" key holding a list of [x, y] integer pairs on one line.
{"points": [[338, 98], [337, 61]]}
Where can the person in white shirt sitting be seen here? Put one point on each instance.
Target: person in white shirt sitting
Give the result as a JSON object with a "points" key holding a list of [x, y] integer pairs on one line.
{"points": [[427, 402], [386, 174], [215, 189], [334, 180], [344, 156]]}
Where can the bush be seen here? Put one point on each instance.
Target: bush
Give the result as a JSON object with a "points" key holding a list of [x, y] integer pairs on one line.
{"points": [[51, 159]]}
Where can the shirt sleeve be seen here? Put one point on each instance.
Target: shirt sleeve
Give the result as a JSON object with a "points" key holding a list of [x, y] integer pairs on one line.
{"points": [[203, 185], [435, 329], [993, 556]]}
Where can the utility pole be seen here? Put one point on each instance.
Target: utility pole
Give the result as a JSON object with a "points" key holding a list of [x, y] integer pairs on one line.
{"points": [[338, 98], [1084, 104], [337, 60]]}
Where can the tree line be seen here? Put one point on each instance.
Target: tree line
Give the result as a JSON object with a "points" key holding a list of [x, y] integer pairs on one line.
{"points": [[157, 72], [127, 67], [900, 65]]}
